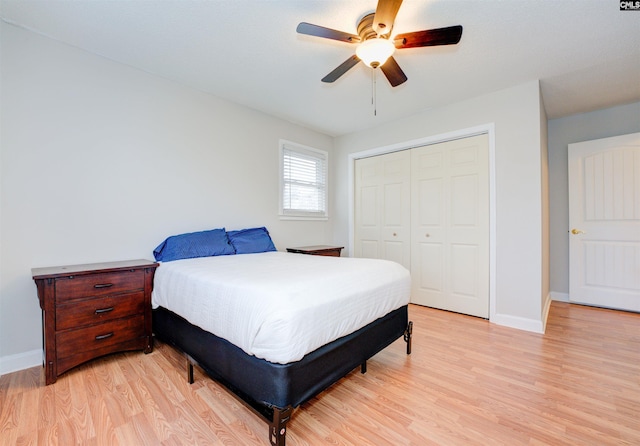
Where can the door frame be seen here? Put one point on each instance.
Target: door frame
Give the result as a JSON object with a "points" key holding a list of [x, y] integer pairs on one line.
{"points": [[488, 129]]}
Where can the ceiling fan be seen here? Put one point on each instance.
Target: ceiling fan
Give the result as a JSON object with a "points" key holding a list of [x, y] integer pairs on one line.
{"points": [[375, 45]]}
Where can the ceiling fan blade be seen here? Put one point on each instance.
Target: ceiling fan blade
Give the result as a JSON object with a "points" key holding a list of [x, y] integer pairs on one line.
{"points": [[342, 68], [393, 72], [385, 15], [328, 33], [429, 37]]}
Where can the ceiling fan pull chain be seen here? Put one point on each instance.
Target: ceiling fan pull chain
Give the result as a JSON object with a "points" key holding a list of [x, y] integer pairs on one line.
{"points": [[374, 96], [372, 81]]}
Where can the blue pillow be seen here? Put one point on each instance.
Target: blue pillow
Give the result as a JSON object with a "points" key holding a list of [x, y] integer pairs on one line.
{"points": [[247, 241], [195, 244]]}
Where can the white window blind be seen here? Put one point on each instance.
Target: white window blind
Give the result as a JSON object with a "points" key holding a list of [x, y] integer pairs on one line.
{"points": [[303, 182]]}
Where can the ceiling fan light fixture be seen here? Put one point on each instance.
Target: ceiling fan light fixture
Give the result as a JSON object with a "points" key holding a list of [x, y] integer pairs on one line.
{"points": [[375, 52]]}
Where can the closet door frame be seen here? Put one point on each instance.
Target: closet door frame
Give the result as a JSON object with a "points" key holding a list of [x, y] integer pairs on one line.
{"points": [[488, 129]]}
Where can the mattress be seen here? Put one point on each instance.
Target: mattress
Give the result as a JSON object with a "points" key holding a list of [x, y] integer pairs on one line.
{"points": [[280, 306]]}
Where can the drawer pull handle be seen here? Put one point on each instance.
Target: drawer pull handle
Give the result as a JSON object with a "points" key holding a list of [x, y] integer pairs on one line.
{"points": [[103, 285], [104, 310], [104, 336]]}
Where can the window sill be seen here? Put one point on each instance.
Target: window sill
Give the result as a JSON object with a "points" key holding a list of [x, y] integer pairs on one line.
{"points": [[302, 217]]}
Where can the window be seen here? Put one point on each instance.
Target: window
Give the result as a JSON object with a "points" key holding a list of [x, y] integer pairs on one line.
{"points": [[303, 181]]}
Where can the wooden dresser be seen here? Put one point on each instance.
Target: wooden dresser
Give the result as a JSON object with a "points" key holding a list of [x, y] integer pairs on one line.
{"points": [[318, 250], [92, 310]]}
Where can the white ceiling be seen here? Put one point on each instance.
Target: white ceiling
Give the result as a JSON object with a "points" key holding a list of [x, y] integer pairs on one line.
{"points": [[586, 53]]}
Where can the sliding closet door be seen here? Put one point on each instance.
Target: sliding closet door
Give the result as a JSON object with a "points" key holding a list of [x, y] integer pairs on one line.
{"points": [[450, 226], [382, 207]]}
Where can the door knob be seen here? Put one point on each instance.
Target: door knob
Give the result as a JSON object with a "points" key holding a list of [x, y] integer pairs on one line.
{"points": [[575, 231]]}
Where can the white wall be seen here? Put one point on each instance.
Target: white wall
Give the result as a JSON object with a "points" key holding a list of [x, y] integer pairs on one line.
{"points": [[101, 162], [516, 113], [620, 120]]}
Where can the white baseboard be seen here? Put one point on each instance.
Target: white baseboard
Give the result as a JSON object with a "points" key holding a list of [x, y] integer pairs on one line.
{"points": [[20, 361], [562, 297], [529, 324], [520, 323]]}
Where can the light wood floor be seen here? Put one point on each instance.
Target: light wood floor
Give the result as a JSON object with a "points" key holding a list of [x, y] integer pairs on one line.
{"points": [[467, 382]]}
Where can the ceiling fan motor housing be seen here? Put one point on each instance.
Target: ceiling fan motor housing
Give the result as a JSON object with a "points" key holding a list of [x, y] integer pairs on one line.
{"points": [[365, 27]]}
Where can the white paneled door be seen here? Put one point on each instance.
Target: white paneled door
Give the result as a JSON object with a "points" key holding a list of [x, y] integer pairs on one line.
{"points": [[604, 222], [450, 226], [382, 214]]}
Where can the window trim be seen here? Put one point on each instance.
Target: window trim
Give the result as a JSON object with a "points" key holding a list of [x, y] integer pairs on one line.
{"points": [[304, 150]]}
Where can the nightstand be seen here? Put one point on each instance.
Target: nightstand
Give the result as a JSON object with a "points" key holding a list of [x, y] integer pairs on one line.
{"points": [[92, 310], [318, 250]]}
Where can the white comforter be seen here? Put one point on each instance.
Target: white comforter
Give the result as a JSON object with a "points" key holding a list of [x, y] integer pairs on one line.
{"points": [[280, 306]]}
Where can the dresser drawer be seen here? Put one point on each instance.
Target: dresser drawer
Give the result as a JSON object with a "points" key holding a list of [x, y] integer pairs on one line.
{"points": [[318, 250], [101, 284], [99, 336], [97, 310], [327, 253]]}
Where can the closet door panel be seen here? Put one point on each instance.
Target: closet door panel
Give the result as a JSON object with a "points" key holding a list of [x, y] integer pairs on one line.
{"points": [[429, 278], [450, 208], [382, 211], [464, 270]]}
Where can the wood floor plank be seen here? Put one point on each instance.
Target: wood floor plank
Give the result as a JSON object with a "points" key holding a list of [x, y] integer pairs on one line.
{"points": [[136, 431], [10, 417], [46, 410], [467, 382]]}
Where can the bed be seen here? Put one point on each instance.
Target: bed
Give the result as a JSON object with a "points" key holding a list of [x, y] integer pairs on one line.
{"points": [[278, 328]]}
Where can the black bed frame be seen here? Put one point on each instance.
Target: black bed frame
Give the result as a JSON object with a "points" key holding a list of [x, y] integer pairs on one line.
{"points": [[274, 390]]}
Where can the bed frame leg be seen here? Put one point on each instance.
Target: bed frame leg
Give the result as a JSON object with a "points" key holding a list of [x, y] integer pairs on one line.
{"points": [[278, 425], [407, 336], [190, 362], [363, 367]]}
